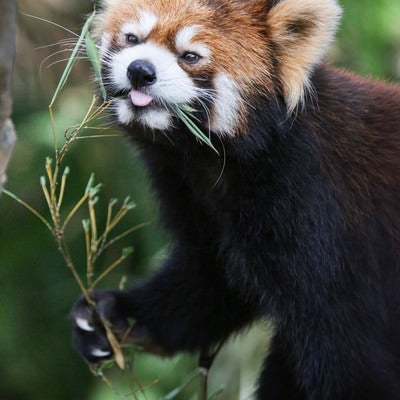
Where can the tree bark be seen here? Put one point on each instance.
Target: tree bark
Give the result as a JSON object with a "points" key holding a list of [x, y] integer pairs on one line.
{"points": [[8, 27]]}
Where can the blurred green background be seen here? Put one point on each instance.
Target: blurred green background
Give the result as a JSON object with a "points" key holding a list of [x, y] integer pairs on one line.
{"points": [[36, 358]]}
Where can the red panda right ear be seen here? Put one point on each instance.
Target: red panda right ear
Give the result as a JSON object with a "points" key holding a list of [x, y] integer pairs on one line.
{"points": [[302, 31]]}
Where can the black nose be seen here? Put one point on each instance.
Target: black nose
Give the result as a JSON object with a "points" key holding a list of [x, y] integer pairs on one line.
{"points": [[141, 73]]}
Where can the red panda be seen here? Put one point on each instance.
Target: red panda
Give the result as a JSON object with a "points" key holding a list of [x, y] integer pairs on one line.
{"points": [[296, 219]]}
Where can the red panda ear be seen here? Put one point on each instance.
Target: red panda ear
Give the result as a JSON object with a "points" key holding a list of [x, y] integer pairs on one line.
{"points": [[302, 31]]}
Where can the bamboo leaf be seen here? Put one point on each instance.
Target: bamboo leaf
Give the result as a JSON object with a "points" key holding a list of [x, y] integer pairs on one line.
{"points": [[184, 113], [72, 59], [186, 108], [94, 58]]}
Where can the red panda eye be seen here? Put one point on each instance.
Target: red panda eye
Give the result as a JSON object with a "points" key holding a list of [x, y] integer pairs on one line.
{"points": [[131, 38], [190, 58]]}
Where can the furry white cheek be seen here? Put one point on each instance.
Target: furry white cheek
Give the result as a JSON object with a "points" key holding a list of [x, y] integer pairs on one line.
{"points": [[156, 119], [124, 113], [174, 86], [227, 105]]}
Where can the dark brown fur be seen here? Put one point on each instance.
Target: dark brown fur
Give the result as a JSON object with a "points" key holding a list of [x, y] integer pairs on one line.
{"points": [[298, 222]]}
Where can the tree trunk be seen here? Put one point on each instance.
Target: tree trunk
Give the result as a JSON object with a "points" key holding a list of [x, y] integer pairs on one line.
{"points": [[8, 27]]}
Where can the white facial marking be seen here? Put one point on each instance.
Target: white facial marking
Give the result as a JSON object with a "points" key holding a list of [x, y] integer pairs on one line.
{"points": [[84, 324], [156, 119], [226, 105], [184, 42], [100, 353], [185, 36], [173, 84], [141, 28], [147, 22], [125, 115]]}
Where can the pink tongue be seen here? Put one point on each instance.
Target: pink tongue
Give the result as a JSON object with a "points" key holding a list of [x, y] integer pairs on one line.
{"points": [[139, 99]]}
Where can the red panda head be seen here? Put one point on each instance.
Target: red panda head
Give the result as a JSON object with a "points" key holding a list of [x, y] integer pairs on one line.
{"points": [[216, 56]]}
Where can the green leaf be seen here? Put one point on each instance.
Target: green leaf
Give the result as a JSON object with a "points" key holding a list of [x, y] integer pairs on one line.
{"points": [[186, 108], [94, 58], [184, 113], [72, 59]]}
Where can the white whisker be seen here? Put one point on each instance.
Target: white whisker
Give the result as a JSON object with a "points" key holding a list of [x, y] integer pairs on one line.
{"points": [[48, 58], [61, 43], [50, 22], [64, 60]]}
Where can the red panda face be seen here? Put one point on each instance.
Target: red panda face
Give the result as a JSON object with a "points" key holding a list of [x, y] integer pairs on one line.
{"points": [[215, 56]]}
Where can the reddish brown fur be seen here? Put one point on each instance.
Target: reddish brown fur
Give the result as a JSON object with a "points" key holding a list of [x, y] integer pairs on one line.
{"points": [[370, 143], [255, 47], [229, 38]]}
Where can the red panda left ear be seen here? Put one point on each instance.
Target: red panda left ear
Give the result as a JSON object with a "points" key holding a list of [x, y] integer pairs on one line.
{"points": [[302, 31]]}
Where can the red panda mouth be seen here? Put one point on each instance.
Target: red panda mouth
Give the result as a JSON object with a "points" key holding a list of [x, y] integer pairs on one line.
{"points": [[140, 99]]}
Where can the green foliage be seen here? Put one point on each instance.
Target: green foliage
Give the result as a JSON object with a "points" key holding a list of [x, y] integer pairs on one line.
{"points": [[369, 38]]}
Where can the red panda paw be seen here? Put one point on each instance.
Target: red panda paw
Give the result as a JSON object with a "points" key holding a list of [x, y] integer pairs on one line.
{"points": [[92, 321]]}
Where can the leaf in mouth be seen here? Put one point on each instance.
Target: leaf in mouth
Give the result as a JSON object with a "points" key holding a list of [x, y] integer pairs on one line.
{"points": [[185, 114]]}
